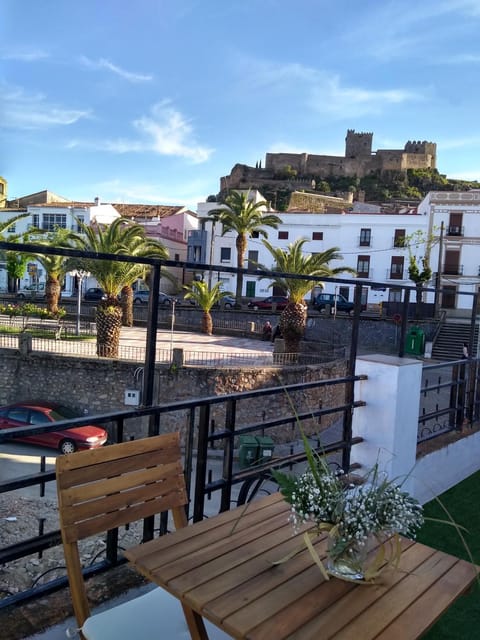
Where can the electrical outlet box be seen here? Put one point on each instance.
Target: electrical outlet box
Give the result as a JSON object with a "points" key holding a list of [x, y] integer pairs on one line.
{"points": [[132, 397]]}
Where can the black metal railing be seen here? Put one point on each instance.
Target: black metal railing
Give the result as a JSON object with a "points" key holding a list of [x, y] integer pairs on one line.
{"points": [[213, 428], [450, 398]]}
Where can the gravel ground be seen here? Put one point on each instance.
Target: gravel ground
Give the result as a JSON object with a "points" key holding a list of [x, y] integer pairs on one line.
{"points": [[19, 520]]}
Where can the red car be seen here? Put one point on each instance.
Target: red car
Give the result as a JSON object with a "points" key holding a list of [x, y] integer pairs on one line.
{"points": [[267, 303], [66, 440]]}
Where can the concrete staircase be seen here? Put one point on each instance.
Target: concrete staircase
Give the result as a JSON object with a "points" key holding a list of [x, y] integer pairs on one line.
{"points": [[449, 342]]}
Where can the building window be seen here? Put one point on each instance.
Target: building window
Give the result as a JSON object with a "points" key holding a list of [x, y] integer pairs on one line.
{"points": [[455, 227], [35, 220], [317, 235], [283, 235], [396, 268], [77, 226], [255, 234], [365, 237], [176, 257], [363, 266], [395, 295], [51, 221], [11, 228], [252, 260], [399, 238], [225, 254]]}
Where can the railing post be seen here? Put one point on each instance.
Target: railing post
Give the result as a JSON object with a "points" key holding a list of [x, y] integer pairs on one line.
{"points": [[228, 455], [388, 423], [202, 455], [189, 453]]}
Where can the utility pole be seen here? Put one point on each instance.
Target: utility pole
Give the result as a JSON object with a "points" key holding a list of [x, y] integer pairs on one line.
{"points": [[438, 279]]}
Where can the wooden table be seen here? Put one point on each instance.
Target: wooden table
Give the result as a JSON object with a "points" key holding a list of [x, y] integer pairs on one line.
{"points": [[222, 568]]}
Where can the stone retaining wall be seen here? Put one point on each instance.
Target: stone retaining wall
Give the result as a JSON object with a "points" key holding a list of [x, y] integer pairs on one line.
{"points": [[98, 387]]}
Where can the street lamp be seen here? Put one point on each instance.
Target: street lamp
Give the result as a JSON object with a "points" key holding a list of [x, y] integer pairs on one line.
{"points": [[174, 300], [80, 274]]}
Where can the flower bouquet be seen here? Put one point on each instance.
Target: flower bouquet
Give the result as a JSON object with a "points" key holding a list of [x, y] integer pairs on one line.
{"points": [[357, 517]]}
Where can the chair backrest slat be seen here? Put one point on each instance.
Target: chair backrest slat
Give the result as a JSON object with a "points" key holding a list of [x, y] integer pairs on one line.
{"points": [[108, 487]]}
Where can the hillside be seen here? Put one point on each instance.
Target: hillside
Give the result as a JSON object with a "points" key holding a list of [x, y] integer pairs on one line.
{"points": [[411, 185]]}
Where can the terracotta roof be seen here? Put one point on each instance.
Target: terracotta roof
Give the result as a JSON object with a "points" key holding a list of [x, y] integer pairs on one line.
{"points": [[147, 210], [63, 205]]}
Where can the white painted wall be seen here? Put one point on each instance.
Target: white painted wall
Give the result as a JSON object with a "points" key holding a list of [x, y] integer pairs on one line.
{"points": [[437, 207], [339, 230], [389, 423]]}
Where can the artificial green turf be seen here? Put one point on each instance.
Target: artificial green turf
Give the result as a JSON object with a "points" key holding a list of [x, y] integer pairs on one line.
{"points": [[462, 502]]}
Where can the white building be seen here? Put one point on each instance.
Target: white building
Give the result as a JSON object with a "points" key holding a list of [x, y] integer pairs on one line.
{"points": [[168, 224], [454, 220], [49, 216], [369, 240]]}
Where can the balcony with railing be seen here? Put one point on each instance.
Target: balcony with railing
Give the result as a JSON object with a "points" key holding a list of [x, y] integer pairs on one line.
{"points": [[365, 241], [453, 230], [452, 270], [218, 471], [394, 274]]}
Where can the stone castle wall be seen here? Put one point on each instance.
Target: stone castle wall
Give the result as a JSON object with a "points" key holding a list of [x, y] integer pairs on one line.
{"points": [[358, 161]]}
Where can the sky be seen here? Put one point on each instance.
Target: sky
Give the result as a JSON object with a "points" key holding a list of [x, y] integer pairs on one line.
{"points": [[153, 101]]}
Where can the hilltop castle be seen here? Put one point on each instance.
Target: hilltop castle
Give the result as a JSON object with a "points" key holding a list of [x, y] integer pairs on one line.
{"points": [[359, 161]]}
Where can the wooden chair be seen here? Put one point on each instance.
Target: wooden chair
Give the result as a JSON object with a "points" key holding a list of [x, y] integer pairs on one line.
{"points": [[109, 487]]}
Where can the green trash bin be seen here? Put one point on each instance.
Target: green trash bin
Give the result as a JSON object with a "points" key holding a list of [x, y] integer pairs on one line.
{"points": [[415, 341], [265, 449], [248, 453]]}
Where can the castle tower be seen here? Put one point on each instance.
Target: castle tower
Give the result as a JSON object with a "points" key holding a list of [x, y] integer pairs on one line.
{"points": [[358, 144]]}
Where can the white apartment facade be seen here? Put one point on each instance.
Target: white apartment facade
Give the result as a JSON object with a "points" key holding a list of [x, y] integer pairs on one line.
{"points": [[369, 240], [454, 220], [48, 217], [167, 224]]}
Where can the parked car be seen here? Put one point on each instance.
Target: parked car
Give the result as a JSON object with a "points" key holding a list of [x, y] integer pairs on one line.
{"points": [[227, 302], [267, 303], [333, 300], [142, 296], [94, 294], [66, 441], [32, 291]]}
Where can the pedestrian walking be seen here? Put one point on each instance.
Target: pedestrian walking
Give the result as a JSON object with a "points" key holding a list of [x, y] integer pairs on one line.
{"points": [[465, 350]]}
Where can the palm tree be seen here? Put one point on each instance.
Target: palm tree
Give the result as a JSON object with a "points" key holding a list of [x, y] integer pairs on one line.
{"points": [[141, 246], [293, 260], [55, 266], [243, 217], [122, 237], [205, 298], [8, 223]]}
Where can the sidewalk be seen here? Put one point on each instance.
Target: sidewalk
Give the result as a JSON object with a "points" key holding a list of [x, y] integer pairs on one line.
{"points": [[136, 337]]}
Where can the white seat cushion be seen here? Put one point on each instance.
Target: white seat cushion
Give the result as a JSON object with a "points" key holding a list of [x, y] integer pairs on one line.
{"points": [[156, 615]]}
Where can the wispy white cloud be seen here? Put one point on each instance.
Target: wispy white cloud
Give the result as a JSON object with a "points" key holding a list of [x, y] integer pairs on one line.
{"points": [[120, 191], [389, 31], [459, 58], [104, 64], [461, 142], [33, 111], [323, 92], [288, 147], [32, 55], [164, 131], [465, 175]]}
